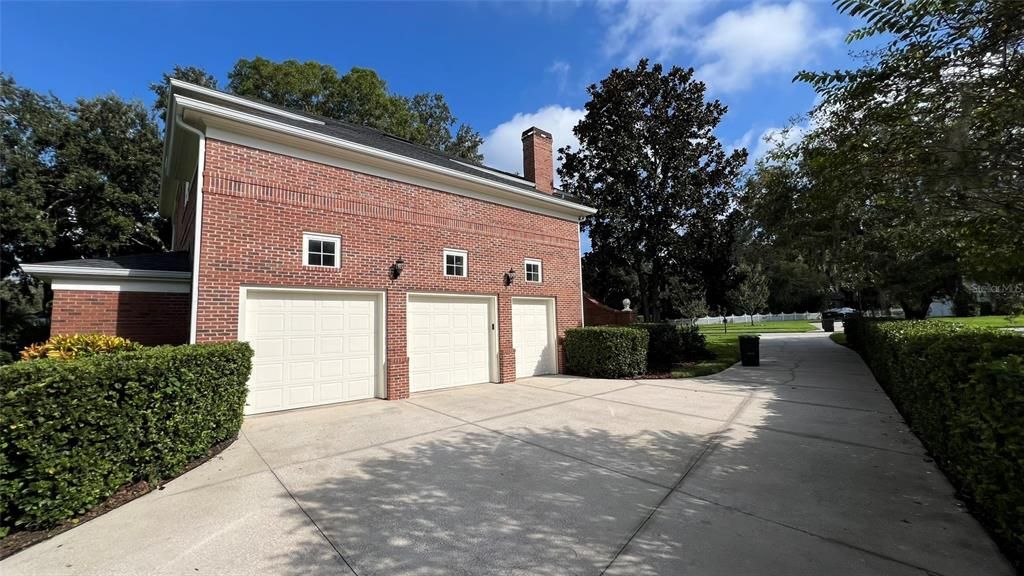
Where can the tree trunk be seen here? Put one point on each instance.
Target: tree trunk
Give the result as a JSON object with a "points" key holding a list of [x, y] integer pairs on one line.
{"points": [[916, 310]]}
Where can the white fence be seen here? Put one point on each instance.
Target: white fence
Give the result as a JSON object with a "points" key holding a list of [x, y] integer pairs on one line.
{"points": [[809, 316]]}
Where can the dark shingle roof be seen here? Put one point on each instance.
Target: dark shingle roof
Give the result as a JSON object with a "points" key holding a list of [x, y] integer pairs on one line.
{"points": [[166, 261]]}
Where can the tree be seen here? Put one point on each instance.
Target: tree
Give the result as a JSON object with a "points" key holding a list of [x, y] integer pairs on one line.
{"points": [[934, 121], [650, 163], [78, 181], [188, 74], [360, 97], [751, 295], [809, 203]]}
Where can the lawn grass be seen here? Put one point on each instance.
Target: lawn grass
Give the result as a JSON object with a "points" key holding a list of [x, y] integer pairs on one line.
{"points": [[985, 321], [725, 347], [838, 338], [726, 350], [759, 327]]}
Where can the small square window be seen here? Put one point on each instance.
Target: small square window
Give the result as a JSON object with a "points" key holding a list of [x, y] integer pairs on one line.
{"points": [[321, 251], [455, 263], [532, 268]]}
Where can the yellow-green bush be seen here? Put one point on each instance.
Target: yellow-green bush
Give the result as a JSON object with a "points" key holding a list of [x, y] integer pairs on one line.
{"points": [[73, 431], [69, 346]]}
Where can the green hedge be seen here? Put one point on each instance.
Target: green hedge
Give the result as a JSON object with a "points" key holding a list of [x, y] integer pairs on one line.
{"points": [[669, 344], [961, 389], [606, 351], [72, 432]]}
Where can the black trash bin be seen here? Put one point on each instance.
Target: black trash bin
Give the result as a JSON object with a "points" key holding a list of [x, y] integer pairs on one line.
{"points": [[750, 350], [828, 324]]}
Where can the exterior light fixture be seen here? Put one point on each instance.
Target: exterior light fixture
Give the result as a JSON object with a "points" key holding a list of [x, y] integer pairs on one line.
{"points": [[396, 268], [510, 277]]}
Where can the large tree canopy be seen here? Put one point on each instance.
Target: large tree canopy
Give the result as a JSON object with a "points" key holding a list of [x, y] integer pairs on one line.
{"points": [[910, 178], [934, 122], [76, 181], [650, 163], [79, 180], [360, 97]]}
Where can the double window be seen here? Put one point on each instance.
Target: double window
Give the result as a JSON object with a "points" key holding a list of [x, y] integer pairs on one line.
{"points": [[320, 250], [532, 268], [455, 263]]}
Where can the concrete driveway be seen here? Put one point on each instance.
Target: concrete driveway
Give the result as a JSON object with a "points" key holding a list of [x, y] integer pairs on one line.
{"points": [[801, 466]]}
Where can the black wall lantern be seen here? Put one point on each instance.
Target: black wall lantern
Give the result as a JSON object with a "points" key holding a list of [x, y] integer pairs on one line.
{"points": [[396, 268], [510, 277]]}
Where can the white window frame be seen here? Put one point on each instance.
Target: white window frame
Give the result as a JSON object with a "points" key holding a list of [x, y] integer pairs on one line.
{"points": [[540, 270], [465, 262], [307, 236]]}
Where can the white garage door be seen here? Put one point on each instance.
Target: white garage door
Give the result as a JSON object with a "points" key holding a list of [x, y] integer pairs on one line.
{"points": [[449, 341], [310, 348], [532, 336]]}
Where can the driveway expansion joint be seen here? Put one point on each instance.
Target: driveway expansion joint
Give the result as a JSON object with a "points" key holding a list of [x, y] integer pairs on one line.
{"points": [[824, 538], [707, 449], [302, 509]]}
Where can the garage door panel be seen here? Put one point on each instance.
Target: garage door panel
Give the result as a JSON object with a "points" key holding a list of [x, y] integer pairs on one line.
{"points": [[448, 342], [310, 348], [532, 334]]}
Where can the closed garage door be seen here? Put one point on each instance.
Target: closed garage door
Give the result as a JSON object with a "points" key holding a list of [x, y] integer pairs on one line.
{"points": [[310, 348], [533, 336], [449, 341]]}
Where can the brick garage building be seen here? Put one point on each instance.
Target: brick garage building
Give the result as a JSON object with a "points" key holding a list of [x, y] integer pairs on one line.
{"points": [[357, 264]]}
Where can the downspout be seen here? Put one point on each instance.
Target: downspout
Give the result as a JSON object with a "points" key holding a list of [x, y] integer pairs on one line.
{"points": [[197, 230], [579, 251]]}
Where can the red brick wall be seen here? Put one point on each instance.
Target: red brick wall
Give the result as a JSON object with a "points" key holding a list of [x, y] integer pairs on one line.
{"points": [[597, 314], [149, 318], [257, 205]]}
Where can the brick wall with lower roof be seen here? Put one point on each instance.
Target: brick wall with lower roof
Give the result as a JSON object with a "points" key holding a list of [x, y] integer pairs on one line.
{"points": [[149, 318], [257, 204]]}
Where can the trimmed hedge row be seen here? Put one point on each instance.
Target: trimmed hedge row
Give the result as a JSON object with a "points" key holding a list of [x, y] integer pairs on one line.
{"points": [[669, 344], [961, 389], [606, 351], [72, 432]]}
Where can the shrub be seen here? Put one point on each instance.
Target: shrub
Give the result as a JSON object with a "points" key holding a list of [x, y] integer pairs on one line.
{"points": [[606, 351], [961, 389], [669, 344], [72, 432], [70, 346]]}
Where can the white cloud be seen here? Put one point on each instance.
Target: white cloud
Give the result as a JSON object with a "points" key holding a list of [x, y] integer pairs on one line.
{"points": [[653, 29], [503, 146], [771, 137], [743, 142], [560, 70], [740, 45], [731, 51]]}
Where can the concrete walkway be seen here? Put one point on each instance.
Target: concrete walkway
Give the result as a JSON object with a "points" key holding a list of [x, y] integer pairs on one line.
{"points": [[800, 466]]}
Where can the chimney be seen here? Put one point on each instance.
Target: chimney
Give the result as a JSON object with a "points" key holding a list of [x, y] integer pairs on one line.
{"points": [[538, 162]]}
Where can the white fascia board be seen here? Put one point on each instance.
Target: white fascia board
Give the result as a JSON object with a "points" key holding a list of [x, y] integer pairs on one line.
{"points": [[393, 161], [120, 285], [65, 272]]}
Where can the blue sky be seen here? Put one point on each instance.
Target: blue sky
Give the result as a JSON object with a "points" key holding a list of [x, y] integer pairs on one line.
{"points": [[502, 66]]}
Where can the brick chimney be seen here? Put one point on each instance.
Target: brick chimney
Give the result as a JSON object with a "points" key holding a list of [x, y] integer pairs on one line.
{"points": [[538, 161]]}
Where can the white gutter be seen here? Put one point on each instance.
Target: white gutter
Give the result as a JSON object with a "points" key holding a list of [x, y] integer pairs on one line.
{"points": [[579, 251], [229, 114], [48, 271], [197, 230]]}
